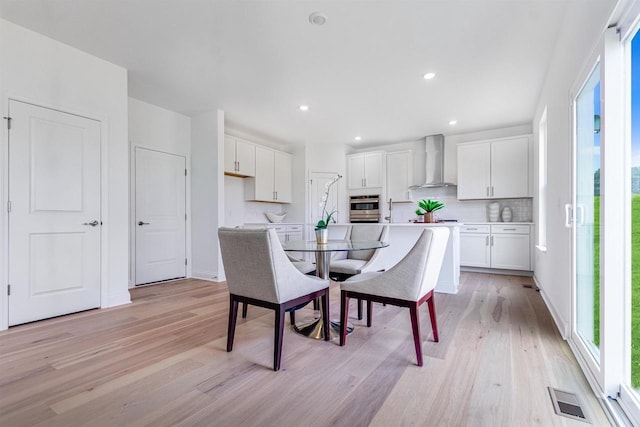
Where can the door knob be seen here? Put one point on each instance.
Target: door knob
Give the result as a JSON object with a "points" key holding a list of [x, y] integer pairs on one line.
{"points": [[143, 223], [92, 223]]}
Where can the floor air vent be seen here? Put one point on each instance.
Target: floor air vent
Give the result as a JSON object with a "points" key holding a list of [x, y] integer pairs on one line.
{"points": [[567, 404]]}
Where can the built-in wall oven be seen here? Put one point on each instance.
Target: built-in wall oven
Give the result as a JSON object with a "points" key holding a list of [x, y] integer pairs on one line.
{"points": [[364, 208]]}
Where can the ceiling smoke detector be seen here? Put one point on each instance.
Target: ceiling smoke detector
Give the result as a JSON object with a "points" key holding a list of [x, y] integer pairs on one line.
{"points": [[318, 18]]}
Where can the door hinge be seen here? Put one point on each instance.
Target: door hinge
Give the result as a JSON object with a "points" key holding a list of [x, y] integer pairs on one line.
{"points": [[8, 119], [9, 206], [8, 289], [185, 172], [185, 261], [185, 217]]}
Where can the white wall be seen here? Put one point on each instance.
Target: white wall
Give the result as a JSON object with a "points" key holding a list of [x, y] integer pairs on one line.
{"points": [[581, 29], [158, 129], [207, 193], [38, 69]]}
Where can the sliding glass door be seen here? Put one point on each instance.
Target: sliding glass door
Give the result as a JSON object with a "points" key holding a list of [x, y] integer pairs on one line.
{"points": [[586, 217], [630, 389]]}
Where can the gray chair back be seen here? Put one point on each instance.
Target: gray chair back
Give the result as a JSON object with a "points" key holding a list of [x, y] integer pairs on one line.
{"points": [[367, 232], [256, 266]]}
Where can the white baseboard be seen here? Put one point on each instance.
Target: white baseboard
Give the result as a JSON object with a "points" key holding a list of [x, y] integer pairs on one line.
{"points": [[120, 298], [561, 324], [211, 276], [523, 273]]}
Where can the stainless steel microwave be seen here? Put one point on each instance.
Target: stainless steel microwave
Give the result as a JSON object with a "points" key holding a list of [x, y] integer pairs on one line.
{"points": [[364, 208]]}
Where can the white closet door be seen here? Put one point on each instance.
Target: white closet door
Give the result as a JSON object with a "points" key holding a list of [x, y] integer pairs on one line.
{"points": [[160, 216], [54, 223]]}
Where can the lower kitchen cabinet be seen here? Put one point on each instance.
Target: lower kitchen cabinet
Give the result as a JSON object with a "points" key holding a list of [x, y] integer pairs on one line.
{"points": [[501, 246], [288, 232], [474, 246]]}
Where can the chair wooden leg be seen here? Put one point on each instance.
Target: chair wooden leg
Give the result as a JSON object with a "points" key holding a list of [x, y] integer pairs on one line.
{"points": [[344, 316], [415, 325], [359, 309], [369, 313], [231, 329], [277, 343], [325, 316], [316, 306], [244, 310], [292, 317], [432, 316]]}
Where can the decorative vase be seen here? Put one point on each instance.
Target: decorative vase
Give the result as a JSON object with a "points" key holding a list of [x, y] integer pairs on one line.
{"points": [[493, 212], [506, 214], [322, 235], [428, 217]]}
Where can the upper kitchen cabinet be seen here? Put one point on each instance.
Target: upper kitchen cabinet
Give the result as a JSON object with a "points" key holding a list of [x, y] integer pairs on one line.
{"points": [[399, 175], [239, 157], [364, 170], [494, 169], [272, 182]]}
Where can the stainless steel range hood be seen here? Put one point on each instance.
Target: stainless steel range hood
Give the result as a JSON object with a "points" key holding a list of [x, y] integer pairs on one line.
{"points": [[434, 163]]}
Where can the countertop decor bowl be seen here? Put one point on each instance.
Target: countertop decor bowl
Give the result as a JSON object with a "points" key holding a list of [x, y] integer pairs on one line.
{"points": [[275, 217]]}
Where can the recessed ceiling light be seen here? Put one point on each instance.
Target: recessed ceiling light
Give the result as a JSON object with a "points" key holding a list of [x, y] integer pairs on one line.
{"points": [[304, 108], [318, 18], [453, 122], [358, 138], [429, 76]]}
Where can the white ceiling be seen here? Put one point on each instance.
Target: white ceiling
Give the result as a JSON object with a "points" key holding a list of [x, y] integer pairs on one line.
{"points": [[360, 73]]}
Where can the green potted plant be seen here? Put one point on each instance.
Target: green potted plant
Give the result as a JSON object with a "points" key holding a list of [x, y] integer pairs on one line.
{"points": [[322, 233], [426, 208]]}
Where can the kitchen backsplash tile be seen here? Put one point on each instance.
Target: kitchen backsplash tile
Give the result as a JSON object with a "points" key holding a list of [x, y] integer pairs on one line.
{"points": [[462, 210]]}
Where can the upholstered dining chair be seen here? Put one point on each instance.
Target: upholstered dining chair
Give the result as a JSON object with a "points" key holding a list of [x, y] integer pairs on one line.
{"points": [[409, 283], [259, 273], [349, 263]]}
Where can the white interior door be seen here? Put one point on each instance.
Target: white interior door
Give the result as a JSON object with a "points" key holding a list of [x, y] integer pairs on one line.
{"points": [[319, 183], [54, 221], [160, 216]]}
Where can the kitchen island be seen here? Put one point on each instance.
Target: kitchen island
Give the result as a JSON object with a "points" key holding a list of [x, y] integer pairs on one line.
{"points": [[403, 236]]}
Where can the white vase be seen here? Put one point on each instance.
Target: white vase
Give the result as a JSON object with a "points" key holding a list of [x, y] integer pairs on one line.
{"points": [[493, 211], [506, 214]]}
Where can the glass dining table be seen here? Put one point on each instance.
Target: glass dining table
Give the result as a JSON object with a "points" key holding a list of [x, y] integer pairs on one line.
{"points": [[323, 252]]}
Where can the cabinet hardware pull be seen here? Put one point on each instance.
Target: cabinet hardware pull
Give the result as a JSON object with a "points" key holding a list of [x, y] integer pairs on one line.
{"points": [[471, 228], [492, 191], [509, 229], [487, 191], [491, 240], [486, 241]]}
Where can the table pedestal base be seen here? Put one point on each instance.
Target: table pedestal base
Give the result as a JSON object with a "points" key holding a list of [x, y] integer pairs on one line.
{"points": [[313, 329]]}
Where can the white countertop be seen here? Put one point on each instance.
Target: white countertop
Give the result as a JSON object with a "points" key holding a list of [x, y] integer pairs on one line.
{"points": [[411, 224], [498, 223]]}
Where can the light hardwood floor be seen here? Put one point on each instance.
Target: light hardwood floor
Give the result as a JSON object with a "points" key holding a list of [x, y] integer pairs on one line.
{"points": [[162, 361]]}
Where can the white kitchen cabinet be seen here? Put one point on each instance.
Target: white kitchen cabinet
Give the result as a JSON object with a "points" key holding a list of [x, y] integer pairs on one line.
{"points": [[239, 157], [510, 247], [474, 246], [364, 170], [501, 246], [494, 169], [272, 182], [282, 179], [399, 175], [291, 232], [286, 232]]}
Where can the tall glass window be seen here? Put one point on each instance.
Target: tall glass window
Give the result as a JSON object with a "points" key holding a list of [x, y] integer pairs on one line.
{"points": [[635, 212]]}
